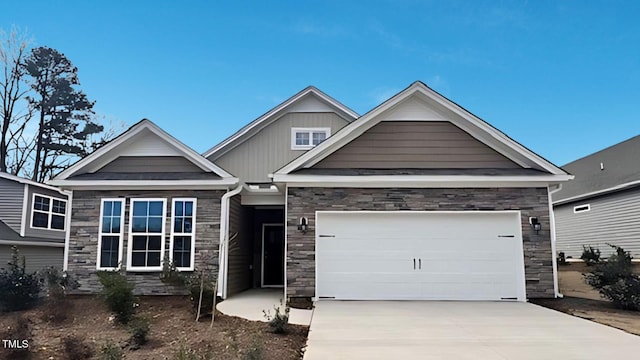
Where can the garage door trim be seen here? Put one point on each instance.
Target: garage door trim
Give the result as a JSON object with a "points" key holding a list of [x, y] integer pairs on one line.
{"points": [[521, 283]]}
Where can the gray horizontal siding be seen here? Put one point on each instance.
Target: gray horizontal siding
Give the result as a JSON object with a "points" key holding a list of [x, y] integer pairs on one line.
{"points": [[11, 198], [37, 232], [270, 149], [415, 144], [613, 219], [36, 257], [149, 164]]}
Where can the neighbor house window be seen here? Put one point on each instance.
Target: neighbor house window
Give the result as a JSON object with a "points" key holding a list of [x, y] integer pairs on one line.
{"points": [[146, 234], [110, 236], [582, 208], [183, 229], [48, 212], [307, 138]]}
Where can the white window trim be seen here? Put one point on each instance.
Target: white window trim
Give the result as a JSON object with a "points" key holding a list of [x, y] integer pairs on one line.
{"points": [[581, 208], [310, 131], [192, 234], [130, 237], [123, 203], [50, 212]]}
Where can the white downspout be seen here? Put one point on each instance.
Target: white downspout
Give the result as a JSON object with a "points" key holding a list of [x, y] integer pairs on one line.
{"points": [[224, 246], [67, 235], [552, 229]]}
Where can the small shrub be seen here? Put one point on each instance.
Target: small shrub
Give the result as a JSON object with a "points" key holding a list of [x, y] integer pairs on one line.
{"points": [[58, 284], [255, 351], [110, 351], [118, 294], [76, 348], [279, 321], [170, 274], [185, 354], [590, 255], [614, 279], [18, 330], [19, 290], [139, 331], [561, 259]]}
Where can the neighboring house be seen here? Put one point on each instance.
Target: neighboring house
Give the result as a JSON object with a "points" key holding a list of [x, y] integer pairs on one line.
{"points": [[417, 199], [602, 204], [34, 217]]}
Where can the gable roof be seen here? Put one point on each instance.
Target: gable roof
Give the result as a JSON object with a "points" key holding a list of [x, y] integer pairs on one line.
{"points": [[272, 115], [463, 119], [127, 142], [611, 169], [22, 180]]}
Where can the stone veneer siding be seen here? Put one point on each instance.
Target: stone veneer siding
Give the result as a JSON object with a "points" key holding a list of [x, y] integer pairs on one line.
{"points": [[83, 243], [305, 202]]}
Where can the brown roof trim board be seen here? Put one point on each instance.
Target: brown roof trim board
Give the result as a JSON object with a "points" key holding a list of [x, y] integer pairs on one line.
{"points": [[145, 176], [365, 172]]}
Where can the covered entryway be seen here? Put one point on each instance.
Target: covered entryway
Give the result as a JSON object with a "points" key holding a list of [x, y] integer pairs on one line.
{"points": [[403, 255]]}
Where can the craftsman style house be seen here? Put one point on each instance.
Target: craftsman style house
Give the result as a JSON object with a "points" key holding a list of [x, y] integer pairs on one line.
{"points": [[416, 199]]}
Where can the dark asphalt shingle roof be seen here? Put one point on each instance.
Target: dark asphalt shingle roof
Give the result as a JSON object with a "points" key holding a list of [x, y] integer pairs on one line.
{"points": [[620, 165], [8, 234]]}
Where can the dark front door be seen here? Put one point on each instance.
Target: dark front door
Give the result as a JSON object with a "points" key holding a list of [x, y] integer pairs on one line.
{"points": [[272, 255]]}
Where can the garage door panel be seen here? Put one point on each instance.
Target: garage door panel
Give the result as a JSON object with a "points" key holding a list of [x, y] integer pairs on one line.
{"points": [[404, 287], [461, 255]]}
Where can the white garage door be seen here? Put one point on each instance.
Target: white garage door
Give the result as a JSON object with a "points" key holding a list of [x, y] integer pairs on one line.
{"points": [[419, 255]]}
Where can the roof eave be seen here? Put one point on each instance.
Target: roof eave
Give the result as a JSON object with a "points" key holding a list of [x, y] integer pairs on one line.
{"points": [[601, 192], [217, 184], [419, 181]]}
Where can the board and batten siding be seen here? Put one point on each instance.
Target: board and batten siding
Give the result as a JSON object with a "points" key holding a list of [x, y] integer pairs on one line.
{"points": [[240, 255], [415, 144], [145, 164], [12, 195], [36, 257], [613, 219], [270, 149]]}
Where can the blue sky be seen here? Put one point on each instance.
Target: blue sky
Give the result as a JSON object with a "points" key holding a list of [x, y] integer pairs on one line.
{"points": [[560, 77]]}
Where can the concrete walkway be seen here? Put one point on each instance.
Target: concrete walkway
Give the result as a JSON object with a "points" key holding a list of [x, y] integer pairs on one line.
{"points": [[251, 303], [459, 330]]}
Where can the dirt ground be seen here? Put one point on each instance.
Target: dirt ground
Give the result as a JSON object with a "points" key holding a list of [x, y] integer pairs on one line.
{"points": [[583, 301], [172, 326]]}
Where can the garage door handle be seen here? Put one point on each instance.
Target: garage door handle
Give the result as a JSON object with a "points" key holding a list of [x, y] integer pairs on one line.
{"points": [[419, 263], [414, 263]]}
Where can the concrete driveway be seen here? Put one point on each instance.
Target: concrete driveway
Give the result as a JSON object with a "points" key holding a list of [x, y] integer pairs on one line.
{"points": [[459, 330]]}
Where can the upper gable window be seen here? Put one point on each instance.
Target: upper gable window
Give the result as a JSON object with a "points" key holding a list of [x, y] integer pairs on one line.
{"points": [[307, 138], [48, 212]]}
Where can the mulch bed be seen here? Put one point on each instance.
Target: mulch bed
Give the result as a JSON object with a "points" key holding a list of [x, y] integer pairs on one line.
{"points": [[172, 326]]}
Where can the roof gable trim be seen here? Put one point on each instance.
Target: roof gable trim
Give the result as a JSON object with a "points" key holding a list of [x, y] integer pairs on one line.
{"points": [[471, 124], [273, 114], [110, 151]]}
